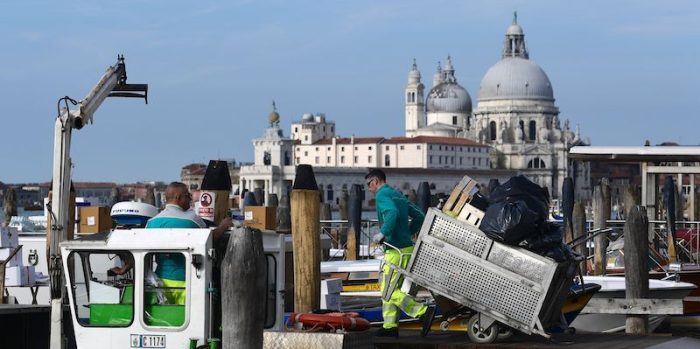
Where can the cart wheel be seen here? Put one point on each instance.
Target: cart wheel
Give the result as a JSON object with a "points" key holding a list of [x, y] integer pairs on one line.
{"points": [[570, 330], [505, 332], [444, 326], [479, 335]]}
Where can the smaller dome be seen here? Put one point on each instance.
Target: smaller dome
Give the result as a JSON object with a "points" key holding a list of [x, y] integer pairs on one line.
{"points": [[515, 29], [307, 117], [449, 97]]}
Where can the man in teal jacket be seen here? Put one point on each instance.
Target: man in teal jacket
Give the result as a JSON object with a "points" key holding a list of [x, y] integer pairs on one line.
{"points": [[393, 210]]}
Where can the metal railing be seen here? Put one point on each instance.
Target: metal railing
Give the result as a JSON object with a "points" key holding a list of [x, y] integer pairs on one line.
{"points": [[337, 231], [687, 243]]}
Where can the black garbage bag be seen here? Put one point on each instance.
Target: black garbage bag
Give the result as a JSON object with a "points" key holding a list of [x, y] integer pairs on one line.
{"points": [[517, 210], [509, 222], [549, 243]]}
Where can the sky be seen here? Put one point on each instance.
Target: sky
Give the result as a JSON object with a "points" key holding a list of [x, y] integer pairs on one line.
{"points": [[623, 71]]}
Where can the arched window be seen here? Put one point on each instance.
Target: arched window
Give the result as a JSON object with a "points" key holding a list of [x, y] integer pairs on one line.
{"points": [[532, 130], [329, 191], [266, 158], [492, 130], [522, 128], [408, 97], [286, 158], [387, 160], [536, 163]]}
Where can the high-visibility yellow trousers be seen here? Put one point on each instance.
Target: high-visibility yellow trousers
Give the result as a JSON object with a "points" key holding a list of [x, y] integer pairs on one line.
{"points": [[175, 296], [398, 300]]}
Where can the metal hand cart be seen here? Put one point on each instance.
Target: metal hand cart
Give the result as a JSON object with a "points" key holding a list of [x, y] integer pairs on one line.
{"points": [[502, 285]]}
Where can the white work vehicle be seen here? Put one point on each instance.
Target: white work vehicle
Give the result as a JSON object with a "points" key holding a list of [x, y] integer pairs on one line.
{"points": [[134, 310]]}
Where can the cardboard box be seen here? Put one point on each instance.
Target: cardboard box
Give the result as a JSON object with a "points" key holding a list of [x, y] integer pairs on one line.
{"points": [[15, 261], [261, 217], [94, 219], [8, 237]]}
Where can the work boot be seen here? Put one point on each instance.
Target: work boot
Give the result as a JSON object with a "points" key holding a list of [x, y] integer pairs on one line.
{"points": [[427, 320], [387, 332]]}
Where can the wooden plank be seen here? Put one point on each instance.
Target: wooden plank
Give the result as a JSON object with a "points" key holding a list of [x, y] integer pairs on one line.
{"points": [[456, 192], [634, 306]]}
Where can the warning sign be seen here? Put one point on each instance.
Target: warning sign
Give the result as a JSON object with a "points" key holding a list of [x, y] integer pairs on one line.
{"points": [[206, 207]]}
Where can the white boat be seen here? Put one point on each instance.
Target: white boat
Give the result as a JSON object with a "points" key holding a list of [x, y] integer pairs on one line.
{"points": [[614, 287]]}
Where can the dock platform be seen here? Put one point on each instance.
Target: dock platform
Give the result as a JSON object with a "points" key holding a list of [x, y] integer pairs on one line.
{"points": [[458, 340]]}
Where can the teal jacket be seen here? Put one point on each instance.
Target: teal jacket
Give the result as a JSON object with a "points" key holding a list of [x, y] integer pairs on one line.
{"points": [[393, 210]]}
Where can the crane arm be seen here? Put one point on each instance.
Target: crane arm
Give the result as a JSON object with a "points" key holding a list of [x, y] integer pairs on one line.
{"points": [[112, 83]]}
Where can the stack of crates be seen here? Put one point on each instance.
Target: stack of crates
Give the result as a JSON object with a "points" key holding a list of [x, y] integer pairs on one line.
{"points": [[521, 289]]}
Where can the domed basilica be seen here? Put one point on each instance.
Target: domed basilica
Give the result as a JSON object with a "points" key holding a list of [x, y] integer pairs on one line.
{"points": [[515, 114]]}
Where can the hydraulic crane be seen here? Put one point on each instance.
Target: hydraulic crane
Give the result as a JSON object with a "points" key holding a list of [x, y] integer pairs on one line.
{"points": [[112, 84]]}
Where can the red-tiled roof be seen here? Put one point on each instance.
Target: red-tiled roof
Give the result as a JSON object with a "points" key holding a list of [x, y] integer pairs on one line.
{"points": [[434, 140], [94, 185], [194, 166], [346, 140]]}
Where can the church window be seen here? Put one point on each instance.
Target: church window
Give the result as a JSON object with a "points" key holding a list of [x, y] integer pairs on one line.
{"points": [[356, 148], [324, 129], [342, 159], [306, 153], [298, 149], [387, 160], [329, 149], [452, 148], [316, 148], [342, 148], [408, 97], [440, 159], [386, 148], [479, 161], [296, 130], [331, 128], [536, 163], [266, 158], [306, 138], [369, 159], [286, 158], [328, 159], [431, 159], [355, 160], [492, 130], [522, 128], [473, 161], [452, 160], [369, 148], [401, 147], [460, 160], [460, 149], [298, 160], [532, 130], [439, 147], [316, 160], [430, 147], [454, 120], [418, 146]]}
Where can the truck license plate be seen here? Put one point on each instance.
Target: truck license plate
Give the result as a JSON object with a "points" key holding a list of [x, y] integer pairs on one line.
{"points": [[147, 341]]}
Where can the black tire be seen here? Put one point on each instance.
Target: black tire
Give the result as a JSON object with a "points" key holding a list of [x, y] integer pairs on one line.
{"points": [[481, 336], [505, 332]]}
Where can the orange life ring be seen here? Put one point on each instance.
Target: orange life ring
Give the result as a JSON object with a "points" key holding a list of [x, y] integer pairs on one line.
{"points": [[331, 321]]}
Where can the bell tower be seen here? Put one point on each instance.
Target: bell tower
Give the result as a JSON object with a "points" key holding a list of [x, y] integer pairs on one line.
{"points": [[415, 105]]}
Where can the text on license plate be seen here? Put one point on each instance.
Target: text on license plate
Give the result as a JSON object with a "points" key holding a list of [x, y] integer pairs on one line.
{"points": [[147, 341]]}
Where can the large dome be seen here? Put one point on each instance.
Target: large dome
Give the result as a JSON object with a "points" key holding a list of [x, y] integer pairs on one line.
{"points": [[515, 78], [449, 97]]}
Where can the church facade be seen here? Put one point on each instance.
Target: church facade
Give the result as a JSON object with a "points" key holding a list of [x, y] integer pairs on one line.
{"points": [[514, 129]]}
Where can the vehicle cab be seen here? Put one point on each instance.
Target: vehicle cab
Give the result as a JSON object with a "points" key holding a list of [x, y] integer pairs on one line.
{"points": [[139, 310]]}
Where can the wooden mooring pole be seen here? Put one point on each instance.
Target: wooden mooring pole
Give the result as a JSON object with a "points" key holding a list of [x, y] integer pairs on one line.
{"points": [[305, 206], [636, 270], [354, 223], [601, 214], [578, 222], [243, 290]]}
